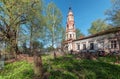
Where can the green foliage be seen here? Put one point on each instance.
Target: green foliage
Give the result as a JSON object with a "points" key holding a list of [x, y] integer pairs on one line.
{"points": [[10, 20], [67, 67], [50, 48], [17, 70], [17, 13], [54, 24], [114, 13], [78, 33], [98, 26], [37, 45]]}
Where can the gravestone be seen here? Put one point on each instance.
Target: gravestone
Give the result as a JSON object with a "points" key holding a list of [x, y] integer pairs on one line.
{"points": [[2, 61]]}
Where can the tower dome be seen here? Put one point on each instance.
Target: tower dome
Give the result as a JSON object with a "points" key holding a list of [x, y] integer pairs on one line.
{"points": [[70, 11]]}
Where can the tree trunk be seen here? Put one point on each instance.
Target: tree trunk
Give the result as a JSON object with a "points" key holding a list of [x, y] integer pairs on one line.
{"points": [[16, 40], [119, 44], [55, 55], [16, 49], [30, 48], [31, 44], [13, 48]]}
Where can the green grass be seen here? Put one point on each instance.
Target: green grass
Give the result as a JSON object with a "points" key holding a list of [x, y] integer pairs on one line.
{"points": [[17, 70], [65, 68], [70, 68], [108, 59]]}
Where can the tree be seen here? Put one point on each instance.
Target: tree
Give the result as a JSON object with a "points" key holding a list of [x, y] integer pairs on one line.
{"points": [[36, 24], [78, 33], [13, 14], [54, 27], [38, 67], [10, 20], [98, 26], [114, 13], [114, 16], [54, 19]]}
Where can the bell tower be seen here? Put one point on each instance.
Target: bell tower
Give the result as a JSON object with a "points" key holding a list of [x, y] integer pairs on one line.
{"points": [[70, 27]]}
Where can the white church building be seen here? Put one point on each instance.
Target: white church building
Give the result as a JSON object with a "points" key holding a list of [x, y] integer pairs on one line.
{"points": [[108, 40]]}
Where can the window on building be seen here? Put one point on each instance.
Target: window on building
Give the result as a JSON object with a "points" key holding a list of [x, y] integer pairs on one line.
{"points": [[67, 47], [70, 36], [78, 46], [67, 36], [84, 46], [91, 46], [113, 44]]}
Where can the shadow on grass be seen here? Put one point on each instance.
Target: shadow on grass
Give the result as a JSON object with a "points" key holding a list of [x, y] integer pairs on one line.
{"points": [[57, 74], [101, 69], [70, 68]]}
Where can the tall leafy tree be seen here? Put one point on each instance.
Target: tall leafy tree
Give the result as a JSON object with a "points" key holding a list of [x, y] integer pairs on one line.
{"points": [[114, 13], [79, 33], [11, 16], [98, 26], [36, 23], [114, 16], [54, 20], [54, 27]]}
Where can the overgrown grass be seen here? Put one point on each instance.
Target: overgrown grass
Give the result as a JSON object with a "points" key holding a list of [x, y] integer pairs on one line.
{"points": [[17, 70], [70, 68], [67, 67], [108, 59]]}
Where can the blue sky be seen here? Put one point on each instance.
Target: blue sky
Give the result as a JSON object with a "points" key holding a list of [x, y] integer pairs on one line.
{"points": [[85, 11]]}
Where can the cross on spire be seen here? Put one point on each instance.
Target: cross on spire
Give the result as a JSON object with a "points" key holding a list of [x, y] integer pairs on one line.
{"points": [[70, 8]]}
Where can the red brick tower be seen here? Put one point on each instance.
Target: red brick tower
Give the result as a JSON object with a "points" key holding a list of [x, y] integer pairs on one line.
{"points": [[70, 28], [70, 31]]}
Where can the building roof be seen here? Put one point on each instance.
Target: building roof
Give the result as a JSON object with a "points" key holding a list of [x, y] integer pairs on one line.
{"points": [[67, 41], [111, 30]]}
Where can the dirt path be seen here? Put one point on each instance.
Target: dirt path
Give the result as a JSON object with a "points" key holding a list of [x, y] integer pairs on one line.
{"points": [[21, 57]]}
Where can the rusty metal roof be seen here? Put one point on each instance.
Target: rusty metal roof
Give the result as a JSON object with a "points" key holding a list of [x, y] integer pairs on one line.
{"points": [[111, 30]]}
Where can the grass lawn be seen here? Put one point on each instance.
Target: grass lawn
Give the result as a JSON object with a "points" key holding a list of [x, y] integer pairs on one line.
{"points": [[65, 68]]}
